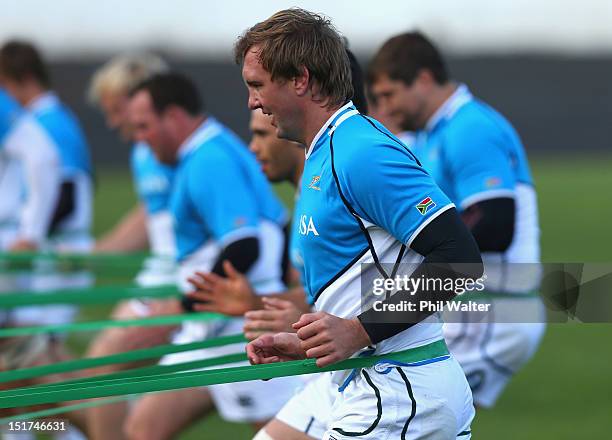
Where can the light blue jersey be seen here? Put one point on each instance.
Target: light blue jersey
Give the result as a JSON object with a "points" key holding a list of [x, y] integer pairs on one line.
{"points": [[29, 175], [295, 253], [9, 111], [10, 173], [152, 179], [64, 129], [471, 151], [153, 182], [475, 154], [364, 199], [220, 196]]}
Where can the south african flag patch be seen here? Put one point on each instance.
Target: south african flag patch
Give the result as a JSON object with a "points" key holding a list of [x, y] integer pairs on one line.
{"points": [[425, 205]]}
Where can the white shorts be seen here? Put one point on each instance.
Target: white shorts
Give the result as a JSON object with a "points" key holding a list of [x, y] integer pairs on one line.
{"points": [[490, 353], [252, 401], [309, 410], [430, 401], [157, 271]]}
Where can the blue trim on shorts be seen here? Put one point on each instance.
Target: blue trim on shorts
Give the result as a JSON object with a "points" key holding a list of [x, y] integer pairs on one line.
{"points": [[411, 364]]}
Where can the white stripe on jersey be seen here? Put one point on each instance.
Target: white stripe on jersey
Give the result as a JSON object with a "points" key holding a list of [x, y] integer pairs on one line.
{"points": [[343, 297], [29, 143]]}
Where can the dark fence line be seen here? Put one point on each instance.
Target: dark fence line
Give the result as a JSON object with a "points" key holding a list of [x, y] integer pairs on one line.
{"points": [[557, 104]]}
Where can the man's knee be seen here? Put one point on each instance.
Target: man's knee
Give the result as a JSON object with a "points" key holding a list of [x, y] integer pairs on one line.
{"points": [[137, 427]]}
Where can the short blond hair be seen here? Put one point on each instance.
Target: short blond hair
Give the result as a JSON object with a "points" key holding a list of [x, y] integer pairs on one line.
{"points": [[122, 73]]}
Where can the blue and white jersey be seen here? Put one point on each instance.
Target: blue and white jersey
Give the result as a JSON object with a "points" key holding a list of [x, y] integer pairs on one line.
{"points": [[63, 128], [29, 175], [475, 154], [364, 198], [220, 196], [10, 173], [9, 112], [153, 183]]}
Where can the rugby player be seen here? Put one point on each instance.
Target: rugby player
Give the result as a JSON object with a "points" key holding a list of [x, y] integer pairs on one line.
{"points": [[282, 161], [478, 160], [25, 76], [233, 295], [58, 201], [223, 209], [358, 204], [148, 224], [27, 157]]}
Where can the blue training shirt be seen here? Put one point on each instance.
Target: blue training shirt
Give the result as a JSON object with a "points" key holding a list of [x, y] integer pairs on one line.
{"points": [[9, 111], [364, 197], [475, 154], [220, 193], [152, 179], [64, 129], [472, 152]]}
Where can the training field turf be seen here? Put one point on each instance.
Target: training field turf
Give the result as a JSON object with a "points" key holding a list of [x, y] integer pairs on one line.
{"points": [[565, 392]]}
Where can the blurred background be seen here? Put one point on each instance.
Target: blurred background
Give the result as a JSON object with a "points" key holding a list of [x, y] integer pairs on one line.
{"points": [[545, 64]]}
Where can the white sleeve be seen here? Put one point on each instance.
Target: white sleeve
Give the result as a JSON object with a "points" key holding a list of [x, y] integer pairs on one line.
{"points": [[29, 143]]}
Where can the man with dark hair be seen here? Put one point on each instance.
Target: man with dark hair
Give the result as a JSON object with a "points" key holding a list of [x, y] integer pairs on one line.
{"points": [[224, 211], [478, 160], [364, 199], [24, 75]]}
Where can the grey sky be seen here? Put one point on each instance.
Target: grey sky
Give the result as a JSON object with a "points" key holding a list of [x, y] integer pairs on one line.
{"points": [[197, 27]]}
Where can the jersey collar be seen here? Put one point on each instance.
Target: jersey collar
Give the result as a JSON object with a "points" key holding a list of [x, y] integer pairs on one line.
{"points": [[43, 102], [458, 99], [341, 115], [206, 131]]}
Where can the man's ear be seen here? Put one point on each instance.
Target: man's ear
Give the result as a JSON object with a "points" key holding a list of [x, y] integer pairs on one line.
{"points": [[425, 77], [173, 111], [301, 83]]}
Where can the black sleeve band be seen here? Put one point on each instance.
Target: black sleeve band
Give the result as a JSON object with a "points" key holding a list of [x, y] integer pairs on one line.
{"points": [[491, 223], [64, 207], [450, 253], [241, 253]]}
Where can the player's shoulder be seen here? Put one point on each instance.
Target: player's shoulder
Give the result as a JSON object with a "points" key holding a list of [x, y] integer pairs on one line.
{"points": [[477, 118], [363, 142], [10, 111]]}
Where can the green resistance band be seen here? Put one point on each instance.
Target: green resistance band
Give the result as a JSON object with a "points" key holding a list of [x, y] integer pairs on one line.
{"points": [[152, 370], [163, 382], [90, 295], [99, 325], [130, 356], [144, 372], [133, 259], [64, 409]]}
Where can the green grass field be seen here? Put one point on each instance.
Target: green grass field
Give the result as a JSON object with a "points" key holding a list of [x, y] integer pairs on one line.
{"points": [[564, 393]]}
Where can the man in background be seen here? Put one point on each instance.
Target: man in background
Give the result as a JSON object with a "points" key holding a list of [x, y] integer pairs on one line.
{"points": [[147, 225], [478, 160], [223, 210]]}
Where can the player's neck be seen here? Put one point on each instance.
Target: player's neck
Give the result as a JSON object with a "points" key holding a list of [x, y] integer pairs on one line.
{"points": [[315, 120], [187, 127], [439, 96], [30, 93]]}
